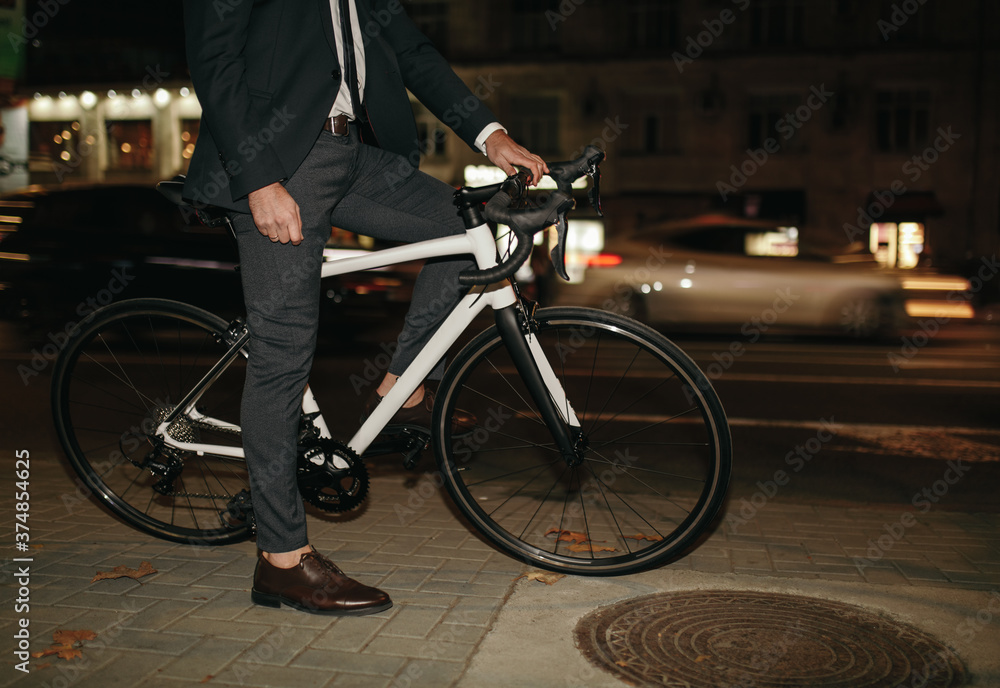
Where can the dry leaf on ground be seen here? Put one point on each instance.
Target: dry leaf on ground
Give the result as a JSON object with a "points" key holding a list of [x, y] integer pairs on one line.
{"points": [[63, 644], [542, 577], [567, 535], [641, 536], [145, 568]]}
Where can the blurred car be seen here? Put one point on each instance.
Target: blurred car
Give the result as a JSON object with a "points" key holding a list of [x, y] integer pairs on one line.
{"points": [[721, 273], [66, 250]]}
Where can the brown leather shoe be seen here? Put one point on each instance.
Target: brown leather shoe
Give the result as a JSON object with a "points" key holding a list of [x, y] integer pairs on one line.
{"points": [[316, 586], [419, 416]]}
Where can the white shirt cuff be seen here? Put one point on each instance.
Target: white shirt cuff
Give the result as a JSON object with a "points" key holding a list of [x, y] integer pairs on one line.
{"points": [[485, 134]]}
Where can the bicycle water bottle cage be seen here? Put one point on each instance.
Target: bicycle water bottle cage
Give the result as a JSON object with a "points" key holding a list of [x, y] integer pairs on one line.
{"points": [[564, 174]]}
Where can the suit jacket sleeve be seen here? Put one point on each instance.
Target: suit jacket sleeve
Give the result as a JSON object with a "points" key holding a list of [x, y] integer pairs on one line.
{"points": [[429, 76], [216, 35]]}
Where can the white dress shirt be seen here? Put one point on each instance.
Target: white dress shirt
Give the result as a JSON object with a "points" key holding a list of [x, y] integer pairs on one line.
{"points": [[342, 105]]}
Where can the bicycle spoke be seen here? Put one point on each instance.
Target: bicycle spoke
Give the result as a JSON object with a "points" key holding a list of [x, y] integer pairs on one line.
{"points": [[124, 369], [615, 513]]}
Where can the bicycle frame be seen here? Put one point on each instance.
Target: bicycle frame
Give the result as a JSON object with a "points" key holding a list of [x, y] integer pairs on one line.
{"points": [[479, 242]]}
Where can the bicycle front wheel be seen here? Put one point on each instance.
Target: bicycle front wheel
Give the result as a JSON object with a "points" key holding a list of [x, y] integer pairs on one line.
{"points": [[656, 450], [119, 377]]}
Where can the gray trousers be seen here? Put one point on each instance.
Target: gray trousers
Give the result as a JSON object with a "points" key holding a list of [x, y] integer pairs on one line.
{"points": [[364, 190]]}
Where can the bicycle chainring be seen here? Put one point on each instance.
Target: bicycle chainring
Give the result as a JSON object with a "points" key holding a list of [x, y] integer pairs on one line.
{"points": [[326, 485]]}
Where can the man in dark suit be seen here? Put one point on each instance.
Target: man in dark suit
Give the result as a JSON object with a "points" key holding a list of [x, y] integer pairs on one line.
{"points": [[288, 89]]}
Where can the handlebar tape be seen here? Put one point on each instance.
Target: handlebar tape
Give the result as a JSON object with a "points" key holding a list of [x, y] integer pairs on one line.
{"points": [[524, 223]]}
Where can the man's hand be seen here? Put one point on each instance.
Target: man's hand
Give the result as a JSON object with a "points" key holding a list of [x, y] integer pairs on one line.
{"points": [[276, 214], [504, 152]]}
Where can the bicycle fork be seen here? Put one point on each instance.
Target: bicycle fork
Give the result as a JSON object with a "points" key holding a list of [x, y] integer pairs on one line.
{"points": [[545, 388]]}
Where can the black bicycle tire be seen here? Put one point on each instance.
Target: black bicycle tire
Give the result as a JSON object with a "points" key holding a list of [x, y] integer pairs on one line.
{"points": [[654, 556], [61, 375]]}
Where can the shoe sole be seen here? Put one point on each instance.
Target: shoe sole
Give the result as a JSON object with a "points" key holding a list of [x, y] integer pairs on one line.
{"points": [[275, 601]]}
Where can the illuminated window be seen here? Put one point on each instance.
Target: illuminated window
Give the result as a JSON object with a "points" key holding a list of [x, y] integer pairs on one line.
{"points": [[130, 145], [58, 142], [897, 245]]}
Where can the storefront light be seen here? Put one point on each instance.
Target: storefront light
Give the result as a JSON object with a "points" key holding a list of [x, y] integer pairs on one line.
{"points": [[161, 97], [62, 95], [112, 93], [88, 100], [185, 92], [136, 93]]}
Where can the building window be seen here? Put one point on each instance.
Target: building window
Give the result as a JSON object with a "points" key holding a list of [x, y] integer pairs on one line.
{"points": [[534, 123], [531, 28], [431, 133], [900, 25], [776, 22], [653, 24], [654, 131], [902, 120], [432, 19], [130, 145], [772, 125], [57, 142]]}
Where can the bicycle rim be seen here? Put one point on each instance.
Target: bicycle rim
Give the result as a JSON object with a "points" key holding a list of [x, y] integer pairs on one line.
{"points": [[657, 458], [120, 375]]}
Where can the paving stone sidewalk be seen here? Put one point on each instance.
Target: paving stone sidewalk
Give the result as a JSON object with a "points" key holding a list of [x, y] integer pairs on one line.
{"points": [[193, 622]]}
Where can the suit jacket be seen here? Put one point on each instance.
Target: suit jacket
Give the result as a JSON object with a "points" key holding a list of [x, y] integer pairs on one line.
{"points": [[266, 73]]}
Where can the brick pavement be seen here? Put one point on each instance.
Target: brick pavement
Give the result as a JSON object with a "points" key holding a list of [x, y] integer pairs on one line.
{"points": [[193, 620]]}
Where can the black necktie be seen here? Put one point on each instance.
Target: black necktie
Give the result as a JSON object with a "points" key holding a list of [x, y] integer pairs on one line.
{"points": [[350, 67]]}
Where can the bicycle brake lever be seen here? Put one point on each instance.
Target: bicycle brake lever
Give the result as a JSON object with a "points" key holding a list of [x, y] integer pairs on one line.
{"points": [[558, 253], [594, 194]]}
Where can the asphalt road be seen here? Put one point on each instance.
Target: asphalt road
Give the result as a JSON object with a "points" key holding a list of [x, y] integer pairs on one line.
{"points": [[907, 421]]}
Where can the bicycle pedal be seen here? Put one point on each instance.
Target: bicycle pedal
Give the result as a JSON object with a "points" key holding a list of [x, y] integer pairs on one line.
{"points": [[416, 442]]}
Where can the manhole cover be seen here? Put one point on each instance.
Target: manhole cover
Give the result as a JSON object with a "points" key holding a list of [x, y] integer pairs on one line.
{"points": [[763, 640]]}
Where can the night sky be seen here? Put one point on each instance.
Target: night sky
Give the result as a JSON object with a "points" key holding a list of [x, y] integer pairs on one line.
{"points": [[106, 41]]}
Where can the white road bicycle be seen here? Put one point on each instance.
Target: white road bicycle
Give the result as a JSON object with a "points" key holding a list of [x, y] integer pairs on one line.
{"points": [[600, 447]]}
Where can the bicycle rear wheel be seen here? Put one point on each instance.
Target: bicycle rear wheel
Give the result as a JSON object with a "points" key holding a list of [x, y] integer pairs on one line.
{"points": [[657, 453], [124, 370]]}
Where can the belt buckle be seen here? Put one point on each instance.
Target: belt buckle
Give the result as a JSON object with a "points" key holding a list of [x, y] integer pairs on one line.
{"points": [[338, 126]]}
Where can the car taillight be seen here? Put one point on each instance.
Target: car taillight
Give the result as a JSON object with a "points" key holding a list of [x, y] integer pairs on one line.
{"points": [[604, 260]]}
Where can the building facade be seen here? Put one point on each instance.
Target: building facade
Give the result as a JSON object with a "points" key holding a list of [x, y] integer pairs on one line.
{"points": [[864, 121]]}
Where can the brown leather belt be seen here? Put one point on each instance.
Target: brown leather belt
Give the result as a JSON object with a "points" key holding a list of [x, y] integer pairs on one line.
{"points": [[338, 126]]}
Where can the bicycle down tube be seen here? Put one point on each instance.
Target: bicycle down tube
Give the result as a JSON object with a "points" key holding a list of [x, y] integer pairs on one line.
{"points": [[478, 241]]}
